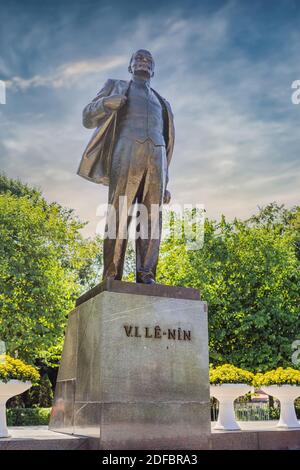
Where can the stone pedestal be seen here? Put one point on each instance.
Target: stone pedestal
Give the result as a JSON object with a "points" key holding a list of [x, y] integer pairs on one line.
{"points": [[134, 369]]}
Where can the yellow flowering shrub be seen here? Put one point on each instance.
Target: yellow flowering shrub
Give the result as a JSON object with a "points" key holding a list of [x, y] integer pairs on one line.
{"points": [[15, 369], [228, 373], [278, 376]]}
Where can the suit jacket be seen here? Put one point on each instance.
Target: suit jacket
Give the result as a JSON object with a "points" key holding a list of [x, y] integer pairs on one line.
{"points": [[95, 162]]}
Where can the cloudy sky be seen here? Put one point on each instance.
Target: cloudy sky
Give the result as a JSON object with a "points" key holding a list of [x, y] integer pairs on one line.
{"points": [[226, 67]]}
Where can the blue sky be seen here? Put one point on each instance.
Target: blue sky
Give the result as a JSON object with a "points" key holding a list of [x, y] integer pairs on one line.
{"points": [[226, 67]]}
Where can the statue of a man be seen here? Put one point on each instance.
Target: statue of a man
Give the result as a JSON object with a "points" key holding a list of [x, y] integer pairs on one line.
{"points": [[130, 151]]}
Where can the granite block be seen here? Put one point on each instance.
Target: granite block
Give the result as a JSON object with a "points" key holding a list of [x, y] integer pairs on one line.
{"points": [[139, 367]]}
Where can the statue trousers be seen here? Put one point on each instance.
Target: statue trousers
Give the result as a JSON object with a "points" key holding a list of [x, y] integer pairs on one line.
{"points": [[138, 172]]}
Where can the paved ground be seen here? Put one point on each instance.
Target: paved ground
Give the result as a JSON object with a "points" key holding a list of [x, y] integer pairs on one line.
{"points": [[255, 426], [35, 432], [253, 435], [39, 437], [256, 435]]}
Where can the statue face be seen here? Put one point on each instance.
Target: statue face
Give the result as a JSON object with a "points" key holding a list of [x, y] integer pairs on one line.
{"points": [[142, 63]]}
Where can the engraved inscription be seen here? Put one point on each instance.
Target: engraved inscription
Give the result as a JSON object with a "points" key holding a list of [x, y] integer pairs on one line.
{"points": [[128, 330], [155, 332]]}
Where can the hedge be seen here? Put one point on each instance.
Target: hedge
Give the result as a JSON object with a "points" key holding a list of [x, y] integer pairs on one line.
{"points": [[27, 416]]}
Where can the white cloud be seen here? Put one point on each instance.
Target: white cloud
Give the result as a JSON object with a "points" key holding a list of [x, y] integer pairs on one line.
{"points": [[66, 75], [229, 153]]}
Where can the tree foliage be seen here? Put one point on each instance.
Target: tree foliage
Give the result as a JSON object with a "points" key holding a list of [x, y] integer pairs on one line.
{"points": [[44, 265], [248, 272]]}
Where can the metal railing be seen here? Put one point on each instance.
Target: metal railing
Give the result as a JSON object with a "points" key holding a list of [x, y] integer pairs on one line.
{"points": [[250, 411]]}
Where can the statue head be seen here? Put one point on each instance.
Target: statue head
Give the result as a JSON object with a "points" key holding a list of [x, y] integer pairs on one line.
{"points": [[142, 64]]}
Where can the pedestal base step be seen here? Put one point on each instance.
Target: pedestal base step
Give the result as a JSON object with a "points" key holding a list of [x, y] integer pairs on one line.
{"points": [[40, 438]]}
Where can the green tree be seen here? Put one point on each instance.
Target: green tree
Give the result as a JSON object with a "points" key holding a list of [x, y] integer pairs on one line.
{"points": [[40, 395], [17, 188], [44, 265], [278, 217], [248, 272]]}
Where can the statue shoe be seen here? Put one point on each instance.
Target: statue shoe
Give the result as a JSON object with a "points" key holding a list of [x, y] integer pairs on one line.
{"points": [[145, 278]]}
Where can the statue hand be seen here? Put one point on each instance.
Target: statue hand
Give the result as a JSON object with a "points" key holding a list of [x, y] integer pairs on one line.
{"points": [[167, 197], [114, 102]]}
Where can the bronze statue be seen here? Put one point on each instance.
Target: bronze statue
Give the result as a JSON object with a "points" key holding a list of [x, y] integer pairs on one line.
{"points": [[130, 151]]}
